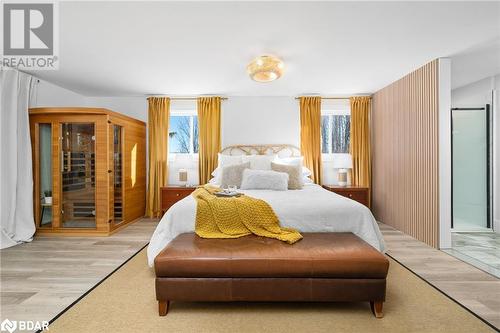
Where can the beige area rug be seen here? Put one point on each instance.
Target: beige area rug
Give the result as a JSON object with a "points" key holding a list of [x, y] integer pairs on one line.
{"points": [[125, 302]]}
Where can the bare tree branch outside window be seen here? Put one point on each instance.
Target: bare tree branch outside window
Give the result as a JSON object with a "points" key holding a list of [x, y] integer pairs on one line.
{"points": [[324, 134], [335, 134], [182, 135], [195, 135]]}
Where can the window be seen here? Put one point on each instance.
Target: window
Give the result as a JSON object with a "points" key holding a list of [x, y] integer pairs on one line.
{"points": [[183, 133], [335, 126], [335, 134]]}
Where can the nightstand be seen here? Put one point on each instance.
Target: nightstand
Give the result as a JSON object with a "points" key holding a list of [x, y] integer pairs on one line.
{"points": [[357, 193], [171, 194]]}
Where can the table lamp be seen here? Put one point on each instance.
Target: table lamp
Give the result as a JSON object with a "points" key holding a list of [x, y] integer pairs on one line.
{"points": [[183, 176], [342, 162]]}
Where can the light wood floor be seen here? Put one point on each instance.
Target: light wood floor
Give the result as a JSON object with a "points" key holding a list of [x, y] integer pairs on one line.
{"points": [[476, 290], [41, 278]]}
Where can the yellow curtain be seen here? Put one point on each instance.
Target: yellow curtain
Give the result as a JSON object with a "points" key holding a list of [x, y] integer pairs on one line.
{"points": [[360, 141], [209, 114], [158, 117], [310, 135]]}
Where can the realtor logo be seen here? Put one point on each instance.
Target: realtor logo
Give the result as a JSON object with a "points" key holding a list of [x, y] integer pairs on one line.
{"points": [[29, 35], [28, 29]]}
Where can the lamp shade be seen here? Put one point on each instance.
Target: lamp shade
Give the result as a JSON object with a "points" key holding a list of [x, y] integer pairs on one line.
{"points": [[342, 161], [183, 175], [265, 68]]}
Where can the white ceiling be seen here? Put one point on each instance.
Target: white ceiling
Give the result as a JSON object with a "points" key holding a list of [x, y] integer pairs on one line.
{"points": [[476, 63], [189, 48]]}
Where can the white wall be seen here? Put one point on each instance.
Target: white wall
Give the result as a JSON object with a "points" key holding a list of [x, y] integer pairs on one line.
{"points": [[48, 94], [478, 94], [135, 107], [260, 120]]}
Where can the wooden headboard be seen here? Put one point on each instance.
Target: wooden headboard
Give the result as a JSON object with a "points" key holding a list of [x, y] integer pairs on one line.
{"points": [[283, 150]]}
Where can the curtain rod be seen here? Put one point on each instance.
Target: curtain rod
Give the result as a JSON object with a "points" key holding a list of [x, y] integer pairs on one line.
{"points": [[334, 97], [188, 98]]}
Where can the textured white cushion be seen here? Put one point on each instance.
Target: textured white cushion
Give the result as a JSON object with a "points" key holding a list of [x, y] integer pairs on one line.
{"points": [[295, 178], [231, 175], [259, 162], [264, 180]]}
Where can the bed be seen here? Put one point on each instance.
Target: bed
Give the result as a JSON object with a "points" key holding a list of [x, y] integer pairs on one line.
{"points": [[340, 257], [311, 209]]}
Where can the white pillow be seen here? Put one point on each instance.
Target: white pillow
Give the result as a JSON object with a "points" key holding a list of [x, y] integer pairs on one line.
{"points": [[294, 161], [307, 180], [289, 160], [225, 160], [231, 175], [259, 162], [264, 180]]}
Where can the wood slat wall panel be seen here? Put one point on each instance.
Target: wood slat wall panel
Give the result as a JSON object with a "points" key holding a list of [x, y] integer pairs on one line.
{"points": [[405, 154]]}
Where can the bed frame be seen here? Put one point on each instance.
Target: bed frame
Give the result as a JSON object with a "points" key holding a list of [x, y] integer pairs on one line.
{"points": [[282, 150]]}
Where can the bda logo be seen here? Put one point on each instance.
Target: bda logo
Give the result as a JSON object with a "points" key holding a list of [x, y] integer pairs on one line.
{"points": [[8, 325]]}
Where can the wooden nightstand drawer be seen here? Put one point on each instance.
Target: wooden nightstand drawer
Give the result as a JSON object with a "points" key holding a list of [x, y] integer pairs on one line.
{"points": [[170, 195], [361, 197], [359, 194]]}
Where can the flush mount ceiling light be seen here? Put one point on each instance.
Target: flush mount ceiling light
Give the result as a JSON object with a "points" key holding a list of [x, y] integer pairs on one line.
{"points": [[265, 68]]}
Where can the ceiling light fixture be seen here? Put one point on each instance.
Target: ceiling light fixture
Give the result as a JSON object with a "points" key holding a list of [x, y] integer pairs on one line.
{"points": [[265, 68]]}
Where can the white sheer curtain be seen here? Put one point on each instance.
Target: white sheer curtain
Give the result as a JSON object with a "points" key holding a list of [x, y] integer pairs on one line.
{"points": [[16, 175]]}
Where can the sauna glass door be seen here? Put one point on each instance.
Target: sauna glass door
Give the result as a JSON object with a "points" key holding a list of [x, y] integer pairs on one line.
{"points": [[117, 174], [45, 174], [78, 209]]}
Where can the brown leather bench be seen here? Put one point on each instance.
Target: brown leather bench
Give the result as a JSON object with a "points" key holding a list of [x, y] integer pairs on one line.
{"points": [[320, 267]]}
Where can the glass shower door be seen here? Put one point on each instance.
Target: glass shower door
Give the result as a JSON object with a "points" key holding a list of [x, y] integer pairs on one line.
{"points": [[78, 175], [470, 169]]}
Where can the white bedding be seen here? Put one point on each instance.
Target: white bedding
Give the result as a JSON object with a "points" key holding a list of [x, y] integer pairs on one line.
{"points": [[312, 209]]}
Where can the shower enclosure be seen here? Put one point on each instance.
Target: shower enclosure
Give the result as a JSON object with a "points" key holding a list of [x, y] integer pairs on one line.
{"points": [[471, 169]]}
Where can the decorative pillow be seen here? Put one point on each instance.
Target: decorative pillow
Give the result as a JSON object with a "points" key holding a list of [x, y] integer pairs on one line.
{"points": [[222, 161], [232, 175], [264, 180], [259, 162], [295, 178], [294, 161]]}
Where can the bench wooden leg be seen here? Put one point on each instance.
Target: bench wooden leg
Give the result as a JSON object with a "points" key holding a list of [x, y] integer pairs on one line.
{"points": [[163, 307], [377, 308]]}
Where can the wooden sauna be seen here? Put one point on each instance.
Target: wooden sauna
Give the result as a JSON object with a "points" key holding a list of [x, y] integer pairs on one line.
{"points": [[89, 170]]}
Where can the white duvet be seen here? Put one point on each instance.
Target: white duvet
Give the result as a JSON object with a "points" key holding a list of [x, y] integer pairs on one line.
{"points": [[312, 209]]}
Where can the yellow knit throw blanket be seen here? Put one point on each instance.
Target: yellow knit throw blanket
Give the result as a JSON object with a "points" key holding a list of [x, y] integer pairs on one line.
{"points": [[235, 217]]}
